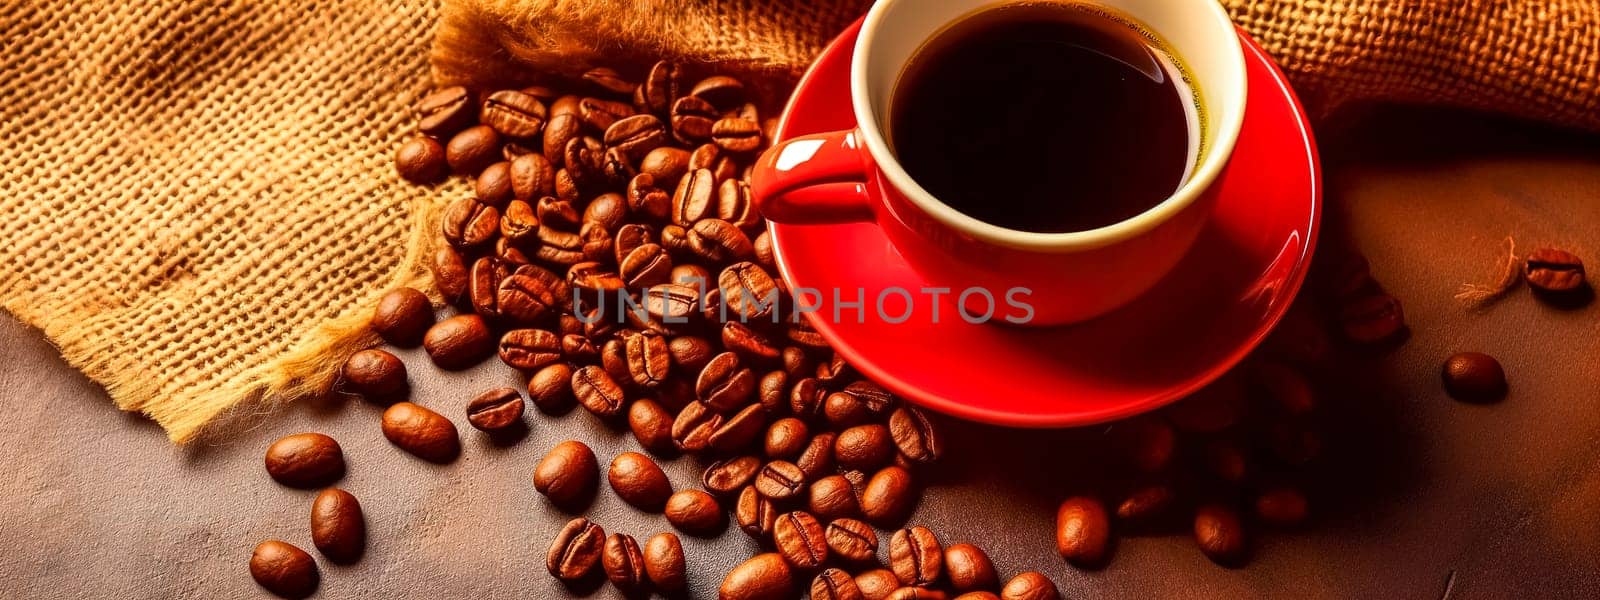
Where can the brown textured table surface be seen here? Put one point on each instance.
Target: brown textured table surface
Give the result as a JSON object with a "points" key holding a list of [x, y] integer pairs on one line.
{"points": [[1416, 496]]}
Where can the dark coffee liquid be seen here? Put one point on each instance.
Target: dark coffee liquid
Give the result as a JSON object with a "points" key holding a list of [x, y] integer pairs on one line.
{"points": [[1045, 117]]}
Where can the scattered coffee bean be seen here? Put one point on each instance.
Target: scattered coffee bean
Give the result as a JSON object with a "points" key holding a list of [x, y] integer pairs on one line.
{"points": [[816, 460], [864, 447], [694, 512], [1554, 271], [1372, 319], [422, 432], [728, 476], [1030, 585], [725, 385], [568, 474], [1083, 532], [1227, 461], [449, 273], [754, 513], [598, 392], [639, 481], [1145, 504], [736, 135], [1220, 534], [530, 349], [1282, 506], [665, 164], [852, 540], [762, 577], [800, 538], [968, 567], [663, 562], [305, 460], [780, 480], [375, 374], [493, 186], [877, 584], [888, 497], [576, 550], [786, 438], [515, 114], [692, 119], [834, 584], [916, 557], [473, 150], [495, 410], [459, 342], [624, 564], [338, 528], [550, 388], [1474, 377], [402, 317], [283, 569], [421, 161], [470, 223], [833, 497], [652, 426], [447, 111]]}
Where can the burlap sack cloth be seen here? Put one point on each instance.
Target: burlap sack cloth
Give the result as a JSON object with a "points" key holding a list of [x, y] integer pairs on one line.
{"points": [[198, 207]]}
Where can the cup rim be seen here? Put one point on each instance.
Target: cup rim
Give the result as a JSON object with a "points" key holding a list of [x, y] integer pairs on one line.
{"points": [[1204, 177]]}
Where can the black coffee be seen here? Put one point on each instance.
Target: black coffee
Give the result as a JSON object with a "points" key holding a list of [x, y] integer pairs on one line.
{"points": [[1046, 117]]}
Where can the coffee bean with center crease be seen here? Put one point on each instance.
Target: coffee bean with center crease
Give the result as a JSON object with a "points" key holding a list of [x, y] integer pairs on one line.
{"points": [[458, 342], [877, 584], [916, 436], [550, 388], [631, 236], [916, 557], [520, 222], [637, 135], [671, 306], [283, 569], [888, 497], [447, 111], [1219, 534], [692, 119], [718, 241], [740, 430], [780, 480], [694, 512], [750, 293], [968, 567], [649, 361], [338, 528], [1372, 319], [402, 317], [834, 584], [576, 550], [652, 426], [852, 540], [597, 392], [1083, 531], [530, 349], [817, 460], [799, 537], [735, 205], [1030, 585], [473, 150], [877, 400], [736, 135], [695, 198], [599, 115], [754, 513], [723, 92], [762, 577], [468, 223], [449, 273], [422, 432], [728, 476], [584, 158], [725, 385], [646, 266], [1474, 377], [305, 460], [1555, 271], [568, 474], [495, 410], [663, 562], [530, 294], [661, 87], [624, 564], [639, 481], [833, 497], [375, 374]]}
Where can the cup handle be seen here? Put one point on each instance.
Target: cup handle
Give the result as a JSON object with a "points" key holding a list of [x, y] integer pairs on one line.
{"points": [[813, 180]]}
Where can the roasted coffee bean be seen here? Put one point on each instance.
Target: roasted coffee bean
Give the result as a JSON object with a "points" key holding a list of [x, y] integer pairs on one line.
{"points": [[624, 564], [1474, 377], [1145, 504], [749, 292], [748, 343], [661, 87], [691, 275], [449, 273], [969, 568], [519, 223], [568, 474], [651, 425], [597, 392], [614, 358], [515, 149], [736, 135], [646, 266], [283, 569], [799, 537], [754, 513], [780, 480], [694, 198], [468, 222], [629, 238], [888, 497], [833, 497], [978, 595], [473, 150], [375, 374], [852, 540], [402, 317], [917, 593], [816, 461], [560, 247], [735, 205], [694, 512], [483, 287], [843, 409], [495, 410], [636, 136], [530, 294], [447, 111], [725, 93], [799, 331], [864, 447], [566, 187], [550, 389], [725, 385], [916, 557], [458, 342], [692, 119], [599, 115], [1282, 506], [305, 460], [1147, 443], [834, 584], [639, 481], [663, 562], [671, 306], [1555, 271], [764, 253], [727, 477], [877, 584], [676, 240], [584, 159], [877, 401], [835, 372], [514, 114], [510, 253], [560, 131], [566, 104], [530, 349], [915, 436], [786, 438], [649, 361], [1082, 531], [739, 430], [576, 550], [421, 161], [594, 281], [706, 156], [607, 80], [645, 200], [1219, 534], [664, 164], [1372, 319], [1215, 408], [338, 528], [718, 241], [1030, 585], [762, 577], [422, 432], [807, 399], [772, 392], [493, 186], [532, 177]]}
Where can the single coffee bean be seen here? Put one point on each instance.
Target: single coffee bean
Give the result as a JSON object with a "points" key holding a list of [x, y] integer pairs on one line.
{"points": [[645, 200], [800, 538], [597, 392], [670, 306], [808, 399], [637, 135], [421, 161], [786, 438], [692, 119], [1145, 504], [493, 186], [649, 362], [576, 550], [630, 237], [375, 374], [577, 348], [772, 392], [550, 388], [725, 93], [555, 214], [402, 317], [1282, 506], [676, 240], [735, 205], [739, 430], [519, 222], [663, 562], [624, 564], [877, 584], [864, 447], [1555, 271], [762, 577], [727, 477], [608, 80], [915, 435], [338, 528], [917, 593], [834, 373], [483, 285], [1474, 377], [816, 460], [1372, 319], [754, 513], [558, 132], [532, 177], [283, 569], [1147, 443], [852, 540], [639, 481], [665, 164], [599, 115], [530, 349], [646, 266], [765, 256], [750, 293], [843, 409], [468, 222], [834, 584], [916, 557], [568, 474], [495, 409], [725, 385], [691, 275], [565, 105], [531, 293], [661, 87], [741, 339], [1082, 531], [694, 512], [1219, 534], [422, 432], [1030, 585], [449, 273], [736, 135], [718, 241], [652, 426], [833, 497], [305, 460], [969, 568], [693, 427], [447, 111], [694, 198], [610, 210], [780, 480], [473, 150]]}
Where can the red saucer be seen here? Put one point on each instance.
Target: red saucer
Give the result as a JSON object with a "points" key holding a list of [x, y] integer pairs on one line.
{"points": [[1219, 303]]}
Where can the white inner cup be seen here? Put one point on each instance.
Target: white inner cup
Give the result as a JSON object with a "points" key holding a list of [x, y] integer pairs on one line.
{"points": [[1198, 32]]}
